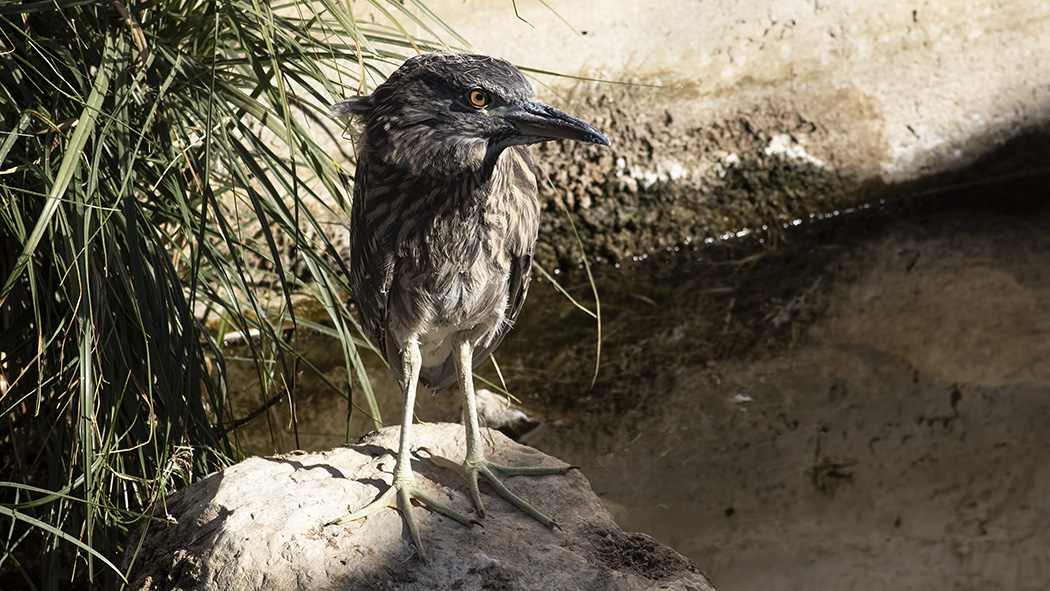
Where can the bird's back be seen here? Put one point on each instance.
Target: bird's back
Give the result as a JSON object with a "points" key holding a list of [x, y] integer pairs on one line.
{"points": [[434, 257]]}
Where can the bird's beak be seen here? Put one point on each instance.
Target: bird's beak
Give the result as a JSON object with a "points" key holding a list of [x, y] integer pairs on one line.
{"points": [[537, 122]]}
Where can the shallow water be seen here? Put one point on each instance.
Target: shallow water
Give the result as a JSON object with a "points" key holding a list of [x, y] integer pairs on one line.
{"points": [[857, 403]]}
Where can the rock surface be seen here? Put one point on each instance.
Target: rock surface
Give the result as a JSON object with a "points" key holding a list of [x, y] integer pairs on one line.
{"points": [[261, 524]]}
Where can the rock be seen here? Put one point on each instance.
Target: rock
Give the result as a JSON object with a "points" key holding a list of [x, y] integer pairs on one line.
{"points": [[262, 524], [745, 113]]}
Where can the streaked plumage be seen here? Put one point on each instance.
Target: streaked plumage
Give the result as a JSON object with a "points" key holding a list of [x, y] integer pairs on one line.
{"points": [[431, 273], [443, 227]]}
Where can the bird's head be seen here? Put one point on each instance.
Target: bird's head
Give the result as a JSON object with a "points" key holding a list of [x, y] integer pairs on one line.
{"points": [[445, 114]]}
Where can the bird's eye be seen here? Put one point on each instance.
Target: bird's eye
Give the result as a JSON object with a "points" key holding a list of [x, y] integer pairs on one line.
{"points": [[479, 98]]}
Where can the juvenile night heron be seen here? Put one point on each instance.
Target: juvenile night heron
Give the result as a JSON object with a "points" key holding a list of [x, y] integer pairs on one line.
{"points": [[443, 227]]}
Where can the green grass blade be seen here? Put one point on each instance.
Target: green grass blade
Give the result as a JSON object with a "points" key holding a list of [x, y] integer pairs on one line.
{"points": [[58, 533], [85, 126]]}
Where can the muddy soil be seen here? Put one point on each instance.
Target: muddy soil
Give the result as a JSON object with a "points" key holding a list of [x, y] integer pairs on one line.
{"points": [[856, 401], [894, 442]]}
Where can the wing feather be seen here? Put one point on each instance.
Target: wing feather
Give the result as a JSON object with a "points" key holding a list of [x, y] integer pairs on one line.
{"points": [[371, 265]]}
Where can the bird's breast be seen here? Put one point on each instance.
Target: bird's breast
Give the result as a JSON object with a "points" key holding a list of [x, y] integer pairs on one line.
{"points": [[442, 292], [456, 268], [453, 272]]}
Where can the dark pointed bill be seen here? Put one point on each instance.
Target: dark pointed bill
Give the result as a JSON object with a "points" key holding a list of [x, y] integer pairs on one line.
{"points": [[535, 119]]}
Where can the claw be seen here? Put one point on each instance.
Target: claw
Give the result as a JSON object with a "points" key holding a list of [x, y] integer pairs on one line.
{"points": [[399, 496], [495, 474]]}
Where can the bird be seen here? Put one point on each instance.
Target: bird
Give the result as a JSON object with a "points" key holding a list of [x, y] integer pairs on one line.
{"points": [[443, 225]]}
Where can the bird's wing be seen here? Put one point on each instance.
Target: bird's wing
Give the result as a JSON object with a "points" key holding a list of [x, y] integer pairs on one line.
{"points": [[520, 272], [523, 173], [371, 267]]}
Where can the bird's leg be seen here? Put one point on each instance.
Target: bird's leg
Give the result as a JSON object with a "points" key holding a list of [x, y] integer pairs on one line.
{"points": [[403, 489], [475, 463]]}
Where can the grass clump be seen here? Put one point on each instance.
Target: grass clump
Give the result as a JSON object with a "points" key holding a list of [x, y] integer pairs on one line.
{"points": [[159, 173]]}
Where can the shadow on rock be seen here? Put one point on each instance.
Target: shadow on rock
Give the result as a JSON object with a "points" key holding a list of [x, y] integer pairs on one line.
{"points": [[264, 524]]}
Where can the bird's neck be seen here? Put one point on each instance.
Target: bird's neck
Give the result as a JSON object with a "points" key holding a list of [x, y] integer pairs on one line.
{"points": [[427, 154]]}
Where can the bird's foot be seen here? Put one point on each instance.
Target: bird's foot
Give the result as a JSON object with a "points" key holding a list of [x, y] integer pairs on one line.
{"points": [[495, 474], [400, 496]]}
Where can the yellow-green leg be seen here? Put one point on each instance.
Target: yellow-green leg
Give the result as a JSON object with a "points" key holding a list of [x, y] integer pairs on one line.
{"points": [[475, 463], [403, 489]]}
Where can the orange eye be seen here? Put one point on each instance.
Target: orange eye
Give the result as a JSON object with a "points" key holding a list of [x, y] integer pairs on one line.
{"points": [[479, 98]]}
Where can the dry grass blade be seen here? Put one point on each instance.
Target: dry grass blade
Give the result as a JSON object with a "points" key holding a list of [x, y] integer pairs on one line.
{"points": [[597, 314]]}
